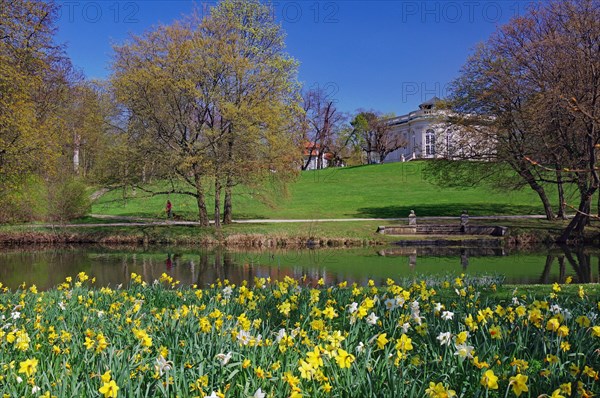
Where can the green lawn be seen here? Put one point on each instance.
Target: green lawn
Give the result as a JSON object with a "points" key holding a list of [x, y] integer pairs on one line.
{"points": [[387, 190]]}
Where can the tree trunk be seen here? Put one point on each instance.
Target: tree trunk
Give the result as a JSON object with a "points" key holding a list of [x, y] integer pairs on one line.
{"points": [[76, 147], [228, 205], [305, 165], [202, 213], [561, 196], [544, 198], [581, 219], [217, 203], [530, 179]]}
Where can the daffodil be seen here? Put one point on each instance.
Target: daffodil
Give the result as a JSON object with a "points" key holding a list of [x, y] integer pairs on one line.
{"points": [[109, 390], [404, 343], [557, 394], [489, 380], [344, 359], [519, 384], [464, 351], [306, 370], [29, 367], [382, 341], [106, 376], [438, 390]]}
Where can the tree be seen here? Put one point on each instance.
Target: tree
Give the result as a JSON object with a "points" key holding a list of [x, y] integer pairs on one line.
{"points": [[36, 79], [259, 100], [85, 116], [375, 136], [534, 86], [322, 121], [30, 66], [211, 99]]}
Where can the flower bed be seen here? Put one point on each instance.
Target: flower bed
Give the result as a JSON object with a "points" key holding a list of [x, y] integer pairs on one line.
{"points": [[282, 339]]}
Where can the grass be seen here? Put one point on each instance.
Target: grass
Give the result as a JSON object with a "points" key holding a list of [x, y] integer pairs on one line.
{"points": [[373, 191]]}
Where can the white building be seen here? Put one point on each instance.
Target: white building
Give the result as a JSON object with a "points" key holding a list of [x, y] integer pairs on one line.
{"points": [[314, 158], [425, 132]]}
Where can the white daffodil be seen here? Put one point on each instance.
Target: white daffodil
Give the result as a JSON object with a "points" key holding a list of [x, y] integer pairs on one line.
{"points": [[372, 319], [405, 326], [390, 304], [162, 365], [352, 308], [244, 337], [227, 292], [464, 351], [224, 358], [447, 315], [445, 338], [360, 347], [281, 334]]}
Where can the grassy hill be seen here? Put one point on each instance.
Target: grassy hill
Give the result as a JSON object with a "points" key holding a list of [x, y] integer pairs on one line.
{"points": [[387, 190]]}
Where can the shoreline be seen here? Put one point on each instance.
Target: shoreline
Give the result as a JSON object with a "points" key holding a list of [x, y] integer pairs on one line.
{"points": [[359, 233]]}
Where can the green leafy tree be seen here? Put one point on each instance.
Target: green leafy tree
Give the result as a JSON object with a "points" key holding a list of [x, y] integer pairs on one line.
{"points": [[211, 99], [36, 87]]}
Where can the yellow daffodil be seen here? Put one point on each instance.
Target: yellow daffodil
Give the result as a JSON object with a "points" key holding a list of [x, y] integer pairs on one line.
{"points": [[489, 380], [382, 341], [344, 359], [29, 367], [109, 389], [519, 384], [439, 391], [557, 394]]}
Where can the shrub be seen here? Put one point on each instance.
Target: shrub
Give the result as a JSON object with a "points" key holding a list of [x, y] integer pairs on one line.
{"points": [[67, 200]]}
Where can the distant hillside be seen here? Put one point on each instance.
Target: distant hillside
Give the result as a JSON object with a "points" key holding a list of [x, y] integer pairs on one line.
{"points": [[387, 190]]}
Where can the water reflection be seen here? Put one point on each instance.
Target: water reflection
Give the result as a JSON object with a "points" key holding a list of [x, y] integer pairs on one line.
{"points": [[575, 262], [47, 267]]}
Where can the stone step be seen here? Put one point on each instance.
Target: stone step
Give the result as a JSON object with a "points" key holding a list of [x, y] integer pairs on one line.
{"points": [[442, 230]]}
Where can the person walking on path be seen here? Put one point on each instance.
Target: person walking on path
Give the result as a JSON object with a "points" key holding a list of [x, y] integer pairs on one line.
{"points": [[169, 210]]}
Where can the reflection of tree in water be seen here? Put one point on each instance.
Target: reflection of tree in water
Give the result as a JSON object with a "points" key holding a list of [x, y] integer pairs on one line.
{"points": [[220, 264], [47, 268], [579, 260]]}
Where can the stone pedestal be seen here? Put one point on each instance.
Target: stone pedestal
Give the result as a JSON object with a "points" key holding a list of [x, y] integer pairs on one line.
{"points": [[412, 218], [464, 221]]}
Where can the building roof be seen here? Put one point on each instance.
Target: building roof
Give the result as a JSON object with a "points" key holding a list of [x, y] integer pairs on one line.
{"points": [[314, 149], [430, 103]]}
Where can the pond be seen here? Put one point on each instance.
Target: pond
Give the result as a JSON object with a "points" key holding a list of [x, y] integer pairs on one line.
{"points": [[47, 267]]}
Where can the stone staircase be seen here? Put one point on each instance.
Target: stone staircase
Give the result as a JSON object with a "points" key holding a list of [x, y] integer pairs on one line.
{"points": [[442, 229]]}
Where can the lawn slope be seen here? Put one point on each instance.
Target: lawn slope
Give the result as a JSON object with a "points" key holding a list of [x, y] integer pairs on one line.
{"points": [[386, 190]]}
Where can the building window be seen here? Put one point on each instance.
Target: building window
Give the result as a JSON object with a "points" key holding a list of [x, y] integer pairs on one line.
{"points": [[430, 142]]}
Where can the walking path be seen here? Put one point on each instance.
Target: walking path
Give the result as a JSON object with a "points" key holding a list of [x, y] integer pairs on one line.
{"points": [[141, 221]]}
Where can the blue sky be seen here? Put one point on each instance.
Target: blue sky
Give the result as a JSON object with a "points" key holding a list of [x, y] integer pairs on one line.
{"points": [[388, 56]]}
